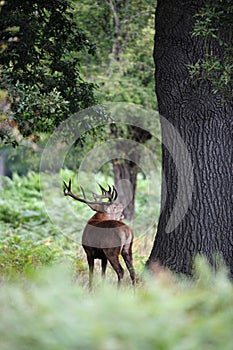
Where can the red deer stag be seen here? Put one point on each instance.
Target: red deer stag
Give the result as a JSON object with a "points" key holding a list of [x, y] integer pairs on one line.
{"points": [[105, 236]]}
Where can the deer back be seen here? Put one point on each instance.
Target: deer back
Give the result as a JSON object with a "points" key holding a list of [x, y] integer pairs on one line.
{"points": [[106, 234]]}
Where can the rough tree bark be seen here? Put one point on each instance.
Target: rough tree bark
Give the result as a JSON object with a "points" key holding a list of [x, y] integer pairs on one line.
{"points": [[125, 169], [205, 125]]}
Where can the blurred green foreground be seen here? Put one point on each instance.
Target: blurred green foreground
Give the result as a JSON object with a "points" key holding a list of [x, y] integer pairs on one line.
{"points": [[49, 311]]}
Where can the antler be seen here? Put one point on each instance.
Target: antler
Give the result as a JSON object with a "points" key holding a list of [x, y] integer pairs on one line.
{"points": [[67, 192], [111, 194]]}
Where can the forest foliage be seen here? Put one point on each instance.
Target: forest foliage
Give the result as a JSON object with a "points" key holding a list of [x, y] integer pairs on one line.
{"points": [[123, 64], [41, 43], [214, 24], [54, 62]]}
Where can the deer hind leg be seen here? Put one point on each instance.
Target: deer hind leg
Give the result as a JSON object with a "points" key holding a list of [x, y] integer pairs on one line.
{"points": [[104, 262], [127, 256], [112, 256]]}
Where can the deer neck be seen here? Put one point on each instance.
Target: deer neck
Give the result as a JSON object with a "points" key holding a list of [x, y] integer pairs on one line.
{"points": [[99, 217]]}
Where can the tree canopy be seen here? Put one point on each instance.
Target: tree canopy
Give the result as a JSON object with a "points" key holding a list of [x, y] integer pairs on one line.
{"points": [[215, 25], [123, 33], [41, 49]]}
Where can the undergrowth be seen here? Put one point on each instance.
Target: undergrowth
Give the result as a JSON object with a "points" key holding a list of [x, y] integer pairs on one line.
{"points": [[50, 311]]}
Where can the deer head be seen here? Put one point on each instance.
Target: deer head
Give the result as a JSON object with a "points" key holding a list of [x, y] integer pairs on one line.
{"points": [[112, 208]]}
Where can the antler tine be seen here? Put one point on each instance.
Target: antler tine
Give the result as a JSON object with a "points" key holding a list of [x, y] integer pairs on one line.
{"points": [[110, 193], [109, 189], [115, 194], [102, 189], [67, 187], [84, 194], [68, 192], [106, 192], [101, 196], [95, 196]]}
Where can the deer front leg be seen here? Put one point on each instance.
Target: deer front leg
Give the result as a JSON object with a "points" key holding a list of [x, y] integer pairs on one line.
{"points": [[90, 261]]}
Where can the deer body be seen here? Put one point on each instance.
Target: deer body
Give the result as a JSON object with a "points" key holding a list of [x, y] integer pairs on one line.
{"points": [[105, 236]]}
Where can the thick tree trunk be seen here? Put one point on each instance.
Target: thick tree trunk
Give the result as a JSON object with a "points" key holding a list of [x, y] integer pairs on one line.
{"points": [[125, 169], [205, 126], [125, 180]]}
